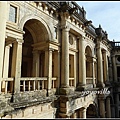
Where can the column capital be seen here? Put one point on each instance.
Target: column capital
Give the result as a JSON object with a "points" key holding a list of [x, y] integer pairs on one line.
{"points": [[94, 59], [81, 37], [8, 45], [49, 49], [65, 28], [19, 41], [113, 55]]}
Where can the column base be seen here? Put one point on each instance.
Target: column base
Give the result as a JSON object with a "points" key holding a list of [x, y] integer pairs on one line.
{"points": [[66, 90], [100, 85], [3, 90], [107, 83], [51, 92], [81, 87]]}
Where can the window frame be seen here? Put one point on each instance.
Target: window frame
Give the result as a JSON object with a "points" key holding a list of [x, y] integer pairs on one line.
{"points": [[17, 14]]}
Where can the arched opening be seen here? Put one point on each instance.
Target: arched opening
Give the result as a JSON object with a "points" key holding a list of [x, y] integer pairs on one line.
{"points": [[35, 34], [89, 68], [91, 112], [33, 53], [27, 55]]}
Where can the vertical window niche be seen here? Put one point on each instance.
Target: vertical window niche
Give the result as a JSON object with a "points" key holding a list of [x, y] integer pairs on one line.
{"points": [[13, 14]]}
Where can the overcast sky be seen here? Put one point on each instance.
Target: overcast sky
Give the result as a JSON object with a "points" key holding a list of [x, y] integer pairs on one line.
{"points": [[105, 13]]}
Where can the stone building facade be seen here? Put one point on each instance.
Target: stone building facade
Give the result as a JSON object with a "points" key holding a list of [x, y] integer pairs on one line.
{"points": [[54, 63]]}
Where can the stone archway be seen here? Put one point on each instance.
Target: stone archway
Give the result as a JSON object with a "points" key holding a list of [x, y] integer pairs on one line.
{"points": [[91, 111], [33, 50], [35, 33]]}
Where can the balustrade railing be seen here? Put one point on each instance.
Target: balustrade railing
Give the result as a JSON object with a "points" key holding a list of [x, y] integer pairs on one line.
{"points": [[115, 44], [32, 83], [89, 80], [54, 82], [5, 81], [27, 84], [71, 81]]}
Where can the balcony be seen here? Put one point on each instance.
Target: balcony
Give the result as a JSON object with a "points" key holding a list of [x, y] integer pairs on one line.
{"points": [[28, 84]]}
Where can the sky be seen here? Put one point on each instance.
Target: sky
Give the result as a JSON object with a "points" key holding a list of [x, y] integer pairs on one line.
{"points": [[105, 13]]}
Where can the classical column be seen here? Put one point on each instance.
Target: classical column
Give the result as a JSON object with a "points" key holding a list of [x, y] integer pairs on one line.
{"points": [[108, 109], [83, 113], [57, 67], [74, 115], [112, 111], [65, 57], [75, 70], [3, 19], [99, 67], [94, 84], [48, 68], [106, 72], [36, 61], [6, 64], [16, 64], [82, 64], [114, 68], [102, 108], [110, 71]]}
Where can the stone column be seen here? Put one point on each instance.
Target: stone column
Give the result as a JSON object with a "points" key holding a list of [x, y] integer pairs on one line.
{"points": [[108, 109], [112, 111], [83, 113], [74, 115], [94, 84], [3, 19], [75, 70], [114, 68], [36, 61], [99, 67], [102, 108], [65, 57], [48, 68], [6, 64], [57, 67], [16, 64], [106, 70], [82, 65], [110, 71]]}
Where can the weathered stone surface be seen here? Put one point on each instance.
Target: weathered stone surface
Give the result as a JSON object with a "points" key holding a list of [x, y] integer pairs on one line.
{"points": [[4, 105]]}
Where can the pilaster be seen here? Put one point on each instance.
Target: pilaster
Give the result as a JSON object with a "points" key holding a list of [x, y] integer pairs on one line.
{"points": [[3, 19]]}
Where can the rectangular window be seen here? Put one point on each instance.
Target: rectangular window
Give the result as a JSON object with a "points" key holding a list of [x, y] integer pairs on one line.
{"points": [[13, 14]]}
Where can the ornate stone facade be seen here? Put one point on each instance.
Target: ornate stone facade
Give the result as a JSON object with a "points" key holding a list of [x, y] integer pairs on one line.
{"points": [[53, 62]]}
